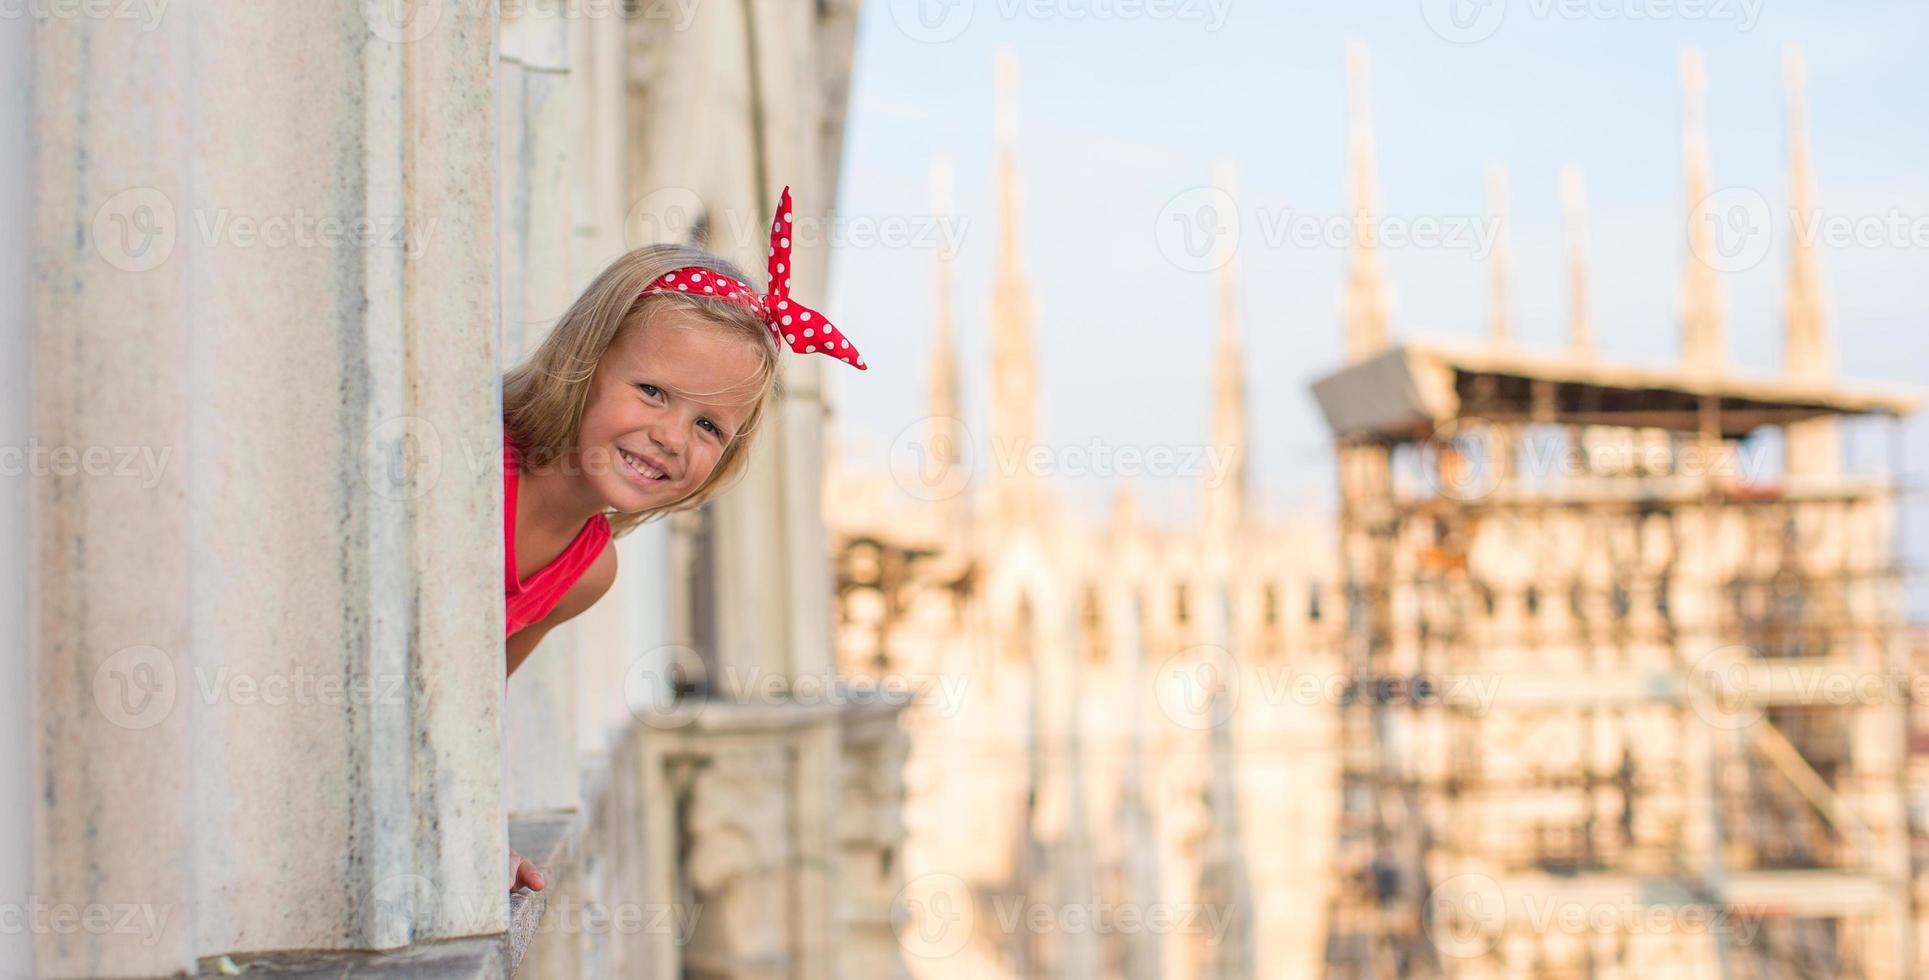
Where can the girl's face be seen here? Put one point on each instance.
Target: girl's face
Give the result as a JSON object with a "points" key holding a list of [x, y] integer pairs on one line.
{"points": [[665, 401]]}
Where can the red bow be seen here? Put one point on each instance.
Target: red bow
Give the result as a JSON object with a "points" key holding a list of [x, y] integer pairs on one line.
{"points": [[791, 322]]}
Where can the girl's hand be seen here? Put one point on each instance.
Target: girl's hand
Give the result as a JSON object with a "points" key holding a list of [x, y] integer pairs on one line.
{"points": [[522, 872]]}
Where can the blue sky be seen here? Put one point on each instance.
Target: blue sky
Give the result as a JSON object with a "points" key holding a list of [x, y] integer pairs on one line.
{"points": [[1125, 106]]}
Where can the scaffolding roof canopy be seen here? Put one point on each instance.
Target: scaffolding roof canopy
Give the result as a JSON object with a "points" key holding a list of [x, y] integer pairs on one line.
{"points": [[1410, 390]]}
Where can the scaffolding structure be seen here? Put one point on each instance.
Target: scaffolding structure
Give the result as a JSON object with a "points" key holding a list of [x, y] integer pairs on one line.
{"points": [[1636, 694]]}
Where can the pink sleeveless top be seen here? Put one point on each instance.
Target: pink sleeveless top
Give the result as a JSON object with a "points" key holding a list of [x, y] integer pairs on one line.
{"points": [[531, 600]]}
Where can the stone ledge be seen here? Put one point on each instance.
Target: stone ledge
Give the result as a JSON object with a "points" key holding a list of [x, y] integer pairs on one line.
{"points": [[728, 715], [477, 958], [550, 840]]}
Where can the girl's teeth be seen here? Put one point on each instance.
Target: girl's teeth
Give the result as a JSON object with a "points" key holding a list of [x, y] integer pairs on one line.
{"points": [[642, 467]]}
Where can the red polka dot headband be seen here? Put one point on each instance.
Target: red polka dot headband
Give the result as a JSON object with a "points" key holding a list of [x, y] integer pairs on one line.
{"points": [[791, 322]]}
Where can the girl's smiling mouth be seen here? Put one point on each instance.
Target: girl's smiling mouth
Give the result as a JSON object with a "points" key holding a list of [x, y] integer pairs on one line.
{"points": [[641, 468]]}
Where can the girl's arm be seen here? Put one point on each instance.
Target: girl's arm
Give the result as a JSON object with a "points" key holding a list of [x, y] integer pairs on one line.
{"points": [[595, 581]]}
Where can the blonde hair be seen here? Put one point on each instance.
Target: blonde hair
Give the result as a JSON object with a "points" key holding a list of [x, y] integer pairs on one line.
{"points": [[543, 397]]}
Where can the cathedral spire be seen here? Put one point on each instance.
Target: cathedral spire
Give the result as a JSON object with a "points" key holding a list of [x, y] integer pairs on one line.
{"points": [[1225, 491], [1499, 260], [1701, 327], [1814, 448], [1808, 353], [944, 358], [1365, 301], [943, 406], [1014, 374], [1580, 333]]}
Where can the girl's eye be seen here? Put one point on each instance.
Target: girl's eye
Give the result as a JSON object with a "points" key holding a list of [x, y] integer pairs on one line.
{"points": [[651, 390], [710, 427]]}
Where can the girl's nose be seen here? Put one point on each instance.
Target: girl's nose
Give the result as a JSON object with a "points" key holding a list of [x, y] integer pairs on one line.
{"points": [[672, 437]]}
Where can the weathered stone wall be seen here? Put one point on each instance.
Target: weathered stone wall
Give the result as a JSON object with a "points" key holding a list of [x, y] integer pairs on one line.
{"points": [[16, 394], [265, 703], [715, 832], [321, 413]]}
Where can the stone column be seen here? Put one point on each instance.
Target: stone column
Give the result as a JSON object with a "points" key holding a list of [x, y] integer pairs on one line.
{"points": [[267, 646], [536, 119], [16, 393], [634, 617]]}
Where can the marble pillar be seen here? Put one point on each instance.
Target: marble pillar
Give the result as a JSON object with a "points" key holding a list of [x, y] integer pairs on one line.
{"points": [[16, 394], [267, 650]]}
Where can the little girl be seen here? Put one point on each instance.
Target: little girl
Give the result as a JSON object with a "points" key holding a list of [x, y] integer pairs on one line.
{"points": [[642, 401]]}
